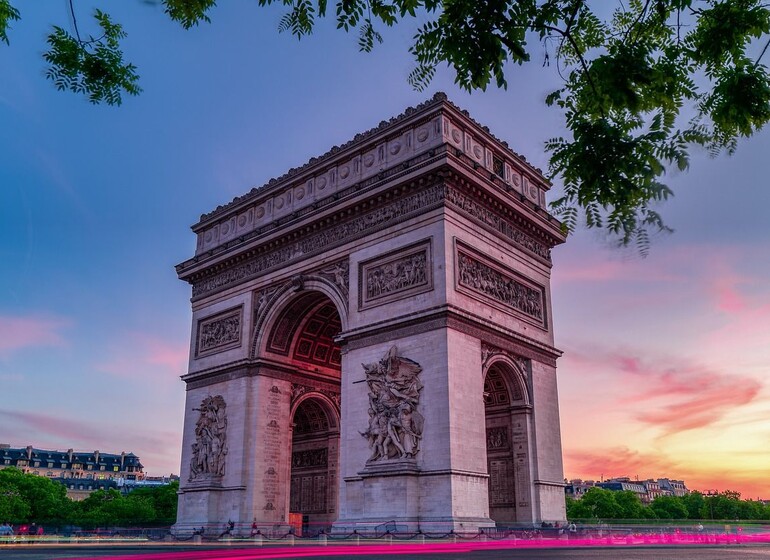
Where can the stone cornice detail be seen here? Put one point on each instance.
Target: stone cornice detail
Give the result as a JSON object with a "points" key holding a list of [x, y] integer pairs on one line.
{"points": [[457, 319], [321, 236], [324, 238], [439, 99], [430, 126]]}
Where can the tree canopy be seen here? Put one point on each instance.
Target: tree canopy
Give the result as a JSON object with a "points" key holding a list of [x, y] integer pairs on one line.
{"points": [[601, 504], [643, 81], [26, 498]]}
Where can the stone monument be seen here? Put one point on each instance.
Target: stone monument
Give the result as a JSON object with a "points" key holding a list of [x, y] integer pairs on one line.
{"points": [[372, 340]]}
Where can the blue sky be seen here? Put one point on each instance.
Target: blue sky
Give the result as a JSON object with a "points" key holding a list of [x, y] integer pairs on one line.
{"points": [[669, 353]]}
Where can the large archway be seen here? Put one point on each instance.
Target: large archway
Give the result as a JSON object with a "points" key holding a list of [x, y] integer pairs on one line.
{"points": [[505, 411], [301, 338]]}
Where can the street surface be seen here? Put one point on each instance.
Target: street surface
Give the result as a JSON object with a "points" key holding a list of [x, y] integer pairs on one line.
{"points": [[446, 551]]}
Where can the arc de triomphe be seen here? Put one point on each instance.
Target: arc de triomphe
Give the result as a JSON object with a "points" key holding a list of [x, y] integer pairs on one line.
{"points": [[372, 339]]}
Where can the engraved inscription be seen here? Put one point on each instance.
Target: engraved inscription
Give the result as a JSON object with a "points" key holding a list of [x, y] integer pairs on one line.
{"points": [[501, 483], [501, 287], [272, 445]]}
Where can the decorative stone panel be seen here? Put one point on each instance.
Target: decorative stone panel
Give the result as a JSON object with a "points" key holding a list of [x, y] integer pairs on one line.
{"points": [[220, 332], [396, 275], [497, 285]]}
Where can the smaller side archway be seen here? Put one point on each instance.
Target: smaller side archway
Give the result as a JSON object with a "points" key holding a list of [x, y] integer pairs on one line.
{"points": [[314, 463], [507, 420]]}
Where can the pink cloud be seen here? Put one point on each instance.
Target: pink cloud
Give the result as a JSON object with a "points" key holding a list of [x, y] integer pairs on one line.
{"points": [[18, 332], [671, 394], [138, 355], [615, 461], [159, 450]]}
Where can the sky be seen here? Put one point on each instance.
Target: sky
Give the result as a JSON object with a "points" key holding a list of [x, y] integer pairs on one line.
{"points": [[665, 357]]}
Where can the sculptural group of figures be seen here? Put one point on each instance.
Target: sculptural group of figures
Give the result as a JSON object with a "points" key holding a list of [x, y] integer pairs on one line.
{"points": [[395, 424], [210, 447], [392, 277], [491, 282]]}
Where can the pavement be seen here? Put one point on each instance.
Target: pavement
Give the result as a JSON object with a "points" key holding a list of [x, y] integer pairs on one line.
{"points": [[471, 550]]}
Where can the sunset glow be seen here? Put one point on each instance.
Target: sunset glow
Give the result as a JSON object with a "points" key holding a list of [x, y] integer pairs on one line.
{"points": [[665, 358]]}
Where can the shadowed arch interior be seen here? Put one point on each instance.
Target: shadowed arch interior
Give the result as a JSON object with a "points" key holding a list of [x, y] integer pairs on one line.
{"points": [[305, 330]]}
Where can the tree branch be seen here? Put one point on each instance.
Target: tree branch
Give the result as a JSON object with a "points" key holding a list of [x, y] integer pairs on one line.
{"points": [[75, 22]]}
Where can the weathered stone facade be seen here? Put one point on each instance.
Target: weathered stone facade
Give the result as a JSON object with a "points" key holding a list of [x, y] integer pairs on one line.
{"points": [[378, 325]]}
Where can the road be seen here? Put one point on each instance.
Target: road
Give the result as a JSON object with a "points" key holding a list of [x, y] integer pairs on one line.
{"points": [[460, 551]]}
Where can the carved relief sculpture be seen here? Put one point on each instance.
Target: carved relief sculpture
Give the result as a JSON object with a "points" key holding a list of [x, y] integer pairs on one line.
{"points": [[339, 273], [220, 333], [395, 424], [396, 275], [498, 286], [210, 447]]}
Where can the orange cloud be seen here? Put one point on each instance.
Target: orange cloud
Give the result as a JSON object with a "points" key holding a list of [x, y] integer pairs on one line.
{"points": [[18, 332], [616, 461], [671, 394]]}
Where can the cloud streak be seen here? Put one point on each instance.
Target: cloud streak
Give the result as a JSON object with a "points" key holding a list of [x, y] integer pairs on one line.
{"points": [[20, 332], [670, 394], [616, 461], [138, 355], [158, 449]]}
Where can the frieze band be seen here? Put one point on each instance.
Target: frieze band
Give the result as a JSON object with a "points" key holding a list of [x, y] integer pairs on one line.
{"points": [[498, 223], [310, 458], [388, 214], [385, 215], [492, 283]]}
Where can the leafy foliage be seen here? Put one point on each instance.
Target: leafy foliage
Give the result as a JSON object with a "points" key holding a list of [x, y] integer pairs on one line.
{"points": [[642, 83], [7, 14], [601, 504], [26, 498], [94, 67]]}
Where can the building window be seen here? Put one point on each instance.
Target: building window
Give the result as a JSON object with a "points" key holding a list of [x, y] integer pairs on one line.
{"points": [[90, 467], [101, 467], [50, 465], [37, 464], [49, 473], [75, 465], [115, 469], [36, 473], [7, 461], [89, 476], [497, 167]]}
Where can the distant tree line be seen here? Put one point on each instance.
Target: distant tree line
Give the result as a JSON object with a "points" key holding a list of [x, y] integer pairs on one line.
{"points": [[27, 498], [599, 503]]}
